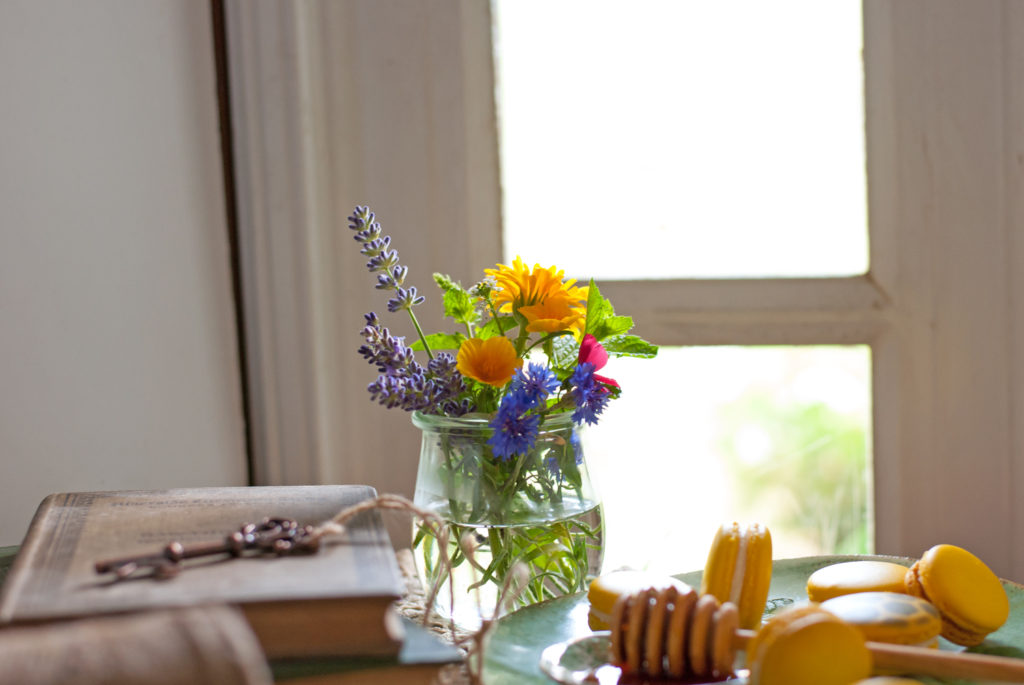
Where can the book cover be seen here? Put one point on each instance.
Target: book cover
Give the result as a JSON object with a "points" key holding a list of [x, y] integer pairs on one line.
{"points": [[333, 602], [422, 658]]}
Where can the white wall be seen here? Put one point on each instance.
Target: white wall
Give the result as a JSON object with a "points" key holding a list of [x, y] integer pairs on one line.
{"points": [[118, 358]]}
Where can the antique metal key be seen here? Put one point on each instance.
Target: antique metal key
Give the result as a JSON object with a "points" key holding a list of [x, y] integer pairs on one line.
{"points": [[276, 536]]}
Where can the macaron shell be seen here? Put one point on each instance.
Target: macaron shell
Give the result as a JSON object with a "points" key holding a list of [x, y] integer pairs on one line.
{"points": [[816, 649], [855, 576], [717, 578], [966, 592], [755, 543], [888, 680], [888, 616], [758, 577], [778, 623]]}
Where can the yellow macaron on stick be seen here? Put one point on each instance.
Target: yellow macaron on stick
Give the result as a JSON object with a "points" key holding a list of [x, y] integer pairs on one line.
{"points": [[807, 645], [739, 569], [968, 595]]}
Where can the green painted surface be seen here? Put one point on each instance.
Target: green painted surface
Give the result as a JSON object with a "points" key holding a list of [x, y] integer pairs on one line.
{"points": [[514, 649], [7, 555]]}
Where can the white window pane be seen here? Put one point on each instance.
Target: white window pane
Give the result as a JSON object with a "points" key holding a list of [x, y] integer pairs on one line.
{"points": [[708, 435], [670, 138]]}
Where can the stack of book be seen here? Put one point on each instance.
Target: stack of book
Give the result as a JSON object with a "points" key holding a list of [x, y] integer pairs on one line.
{"points": [[325, 617]]}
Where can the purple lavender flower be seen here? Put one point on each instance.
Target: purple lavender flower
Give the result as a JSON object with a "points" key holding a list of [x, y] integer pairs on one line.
{"points": [[382, 349], [591, 397], [404, 299], [439, 388], [403, 381], [383, 260]]}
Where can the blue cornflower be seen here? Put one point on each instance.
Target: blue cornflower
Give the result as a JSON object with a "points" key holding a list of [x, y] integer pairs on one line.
{"points": [[515, 431], [577, 446], [534, 384], [591, 397], [553, 468]]}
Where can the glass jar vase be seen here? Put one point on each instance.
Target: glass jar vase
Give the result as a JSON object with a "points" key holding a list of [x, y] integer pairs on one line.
{"points": [[539, 511]]}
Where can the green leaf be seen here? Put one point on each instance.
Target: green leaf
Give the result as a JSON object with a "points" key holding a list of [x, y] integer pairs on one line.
{"points": [[630, 346], [565, 352], [490, 329], [598, 310], [445, 282], [458, 303], [440, 341], [611, 326]]}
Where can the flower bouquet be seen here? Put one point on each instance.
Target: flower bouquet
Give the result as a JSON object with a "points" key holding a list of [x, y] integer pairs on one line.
{"points": [[500, 402]]}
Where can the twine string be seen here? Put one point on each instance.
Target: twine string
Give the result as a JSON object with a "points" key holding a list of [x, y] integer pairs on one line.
{"points": [[511, 588]]}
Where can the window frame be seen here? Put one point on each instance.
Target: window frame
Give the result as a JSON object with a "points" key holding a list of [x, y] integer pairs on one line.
{"points": [[328, 115]]}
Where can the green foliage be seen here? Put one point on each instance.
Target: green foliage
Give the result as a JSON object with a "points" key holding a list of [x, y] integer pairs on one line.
{"points": [[630, 346], [439, 341], [498, 326], [813, 476], [564, 353], [458, 303]]}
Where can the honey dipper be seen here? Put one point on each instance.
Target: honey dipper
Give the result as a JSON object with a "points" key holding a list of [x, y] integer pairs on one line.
{"points": [[671, 632]]}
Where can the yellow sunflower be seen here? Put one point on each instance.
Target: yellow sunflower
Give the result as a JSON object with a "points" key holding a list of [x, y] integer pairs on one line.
{"points": [[493, 361], [552, 315], [519, 286]]}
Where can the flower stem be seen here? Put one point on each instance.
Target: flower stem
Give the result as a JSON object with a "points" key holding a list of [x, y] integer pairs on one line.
{"points": [[419, 331]]}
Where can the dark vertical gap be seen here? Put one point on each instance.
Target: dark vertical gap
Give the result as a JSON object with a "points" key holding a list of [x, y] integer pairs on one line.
{"points": [[227, 150]]}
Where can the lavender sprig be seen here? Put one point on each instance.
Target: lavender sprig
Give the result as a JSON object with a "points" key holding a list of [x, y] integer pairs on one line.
{"points": [[384, 262], [403, 381]]}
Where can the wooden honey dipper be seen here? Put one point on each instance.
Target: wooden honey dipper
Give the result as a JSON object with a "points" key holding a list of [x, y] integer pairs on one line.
{"points": [[669, 632]]}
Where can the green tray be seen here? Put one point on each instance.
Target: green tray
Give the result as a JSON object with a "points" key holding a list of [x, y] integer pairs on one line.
{"points": [[512, 656]]}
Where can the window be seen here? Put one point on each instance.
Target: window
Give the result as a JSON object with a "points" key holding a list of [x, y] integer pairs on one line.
{"points": [[392, 105], [729, 142]]}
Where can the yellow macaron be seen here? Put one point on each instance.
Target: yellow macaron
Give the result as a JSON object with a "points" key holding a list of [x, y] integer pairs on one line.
{"points": [[968, 595], [849, 577], [606, 589], [806, 645], [739, 570], [891, 617], [888, 680]]}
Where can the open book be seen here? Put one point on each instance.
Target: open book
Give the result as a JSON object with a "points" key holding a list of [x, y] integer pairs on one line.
{"points": [[333, 602]]}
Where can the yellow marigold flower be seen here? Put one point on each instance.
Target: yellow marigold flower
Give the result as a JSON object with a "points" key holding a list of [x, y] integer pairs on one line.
{"points": [[493, 361], [520, 286], [552, 315]]}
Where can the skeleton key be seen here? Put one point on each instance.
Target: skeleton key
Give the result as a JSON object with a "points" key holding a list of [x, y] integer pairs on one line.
{"points": [[277, 536]]}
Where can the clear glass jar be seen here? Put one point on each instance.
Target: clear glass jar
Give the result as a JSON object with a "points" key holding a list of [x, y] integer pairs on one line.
{"points": [[539, 510]]}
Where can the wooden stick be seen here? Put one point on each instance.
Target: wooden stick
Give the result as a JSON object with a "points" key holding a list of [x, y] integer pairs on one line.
{"points": [[931, 662], [944, 664]]}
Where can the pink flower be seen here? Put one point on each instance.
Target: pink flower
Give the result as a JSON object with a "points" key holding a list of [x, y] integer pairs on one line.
{"points": [[593, 352]]}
